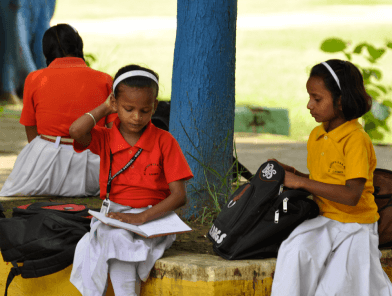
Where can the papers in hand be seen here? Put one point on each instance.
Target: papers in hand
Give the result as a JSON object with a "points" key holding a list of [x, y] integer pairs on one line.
{"points": [[169, 224]]}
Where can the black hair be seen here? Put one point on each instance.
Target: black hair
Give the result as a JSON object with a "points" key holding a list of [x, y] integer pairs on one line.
{"points": [[137, 81], [60, 41], [354, 99]]}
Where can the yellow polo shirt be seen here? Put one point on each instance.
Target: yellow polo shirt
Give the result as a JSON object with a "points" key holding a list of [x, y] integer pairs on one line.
{"points": [[342, 154]]}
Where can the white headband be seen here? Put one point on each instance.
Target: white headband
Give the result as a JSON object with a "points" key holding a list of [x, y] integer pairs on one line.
{"points": [[332, 73], [133, 73]]}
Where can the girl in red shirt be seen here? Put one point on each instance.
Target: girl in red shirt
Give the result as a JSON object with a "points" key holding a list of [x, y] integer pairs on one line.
{"points": [[152, 172], [53, 98]]}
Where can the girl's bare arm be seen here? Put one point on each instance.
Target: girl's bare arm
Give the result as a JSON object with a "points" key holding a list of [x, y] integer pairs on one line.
{"points": [[31, 132], [80, 129], [290, 169], [348, 194]]}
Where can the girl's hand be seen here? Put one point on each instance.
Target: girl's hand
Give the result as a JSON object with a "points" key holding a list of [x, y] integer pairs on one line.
{"points": [[109, 104], [286, 167], [292, 181], [135, 219]]}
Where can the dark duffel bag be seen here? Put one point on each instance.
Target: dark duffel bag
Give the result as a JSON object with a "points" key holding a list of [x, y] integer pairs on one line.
{"points": [[260, 215]]}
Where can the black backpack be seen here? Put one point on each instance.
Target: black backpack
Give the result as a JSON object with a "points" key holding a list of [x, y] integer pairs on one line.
{"points": [[259, 216], [43, 239]]}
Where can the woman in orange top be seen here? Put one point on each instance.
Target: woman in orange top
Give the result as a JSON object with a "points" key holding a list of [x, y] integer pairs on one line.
{"points": [[53, 98]]}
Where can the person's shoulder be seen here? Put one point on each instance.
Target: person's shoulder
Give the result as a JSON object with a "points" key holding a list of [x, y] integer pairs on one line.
{"points": [[359, 136], [315, 133], [99, 73], [36, 74], [162, 135]]}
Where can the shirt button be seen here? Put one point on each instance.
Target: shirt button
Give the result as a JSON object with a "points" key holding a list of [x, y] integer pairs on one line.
{"points": [[325, 137], [322, 153], [130, 151]]}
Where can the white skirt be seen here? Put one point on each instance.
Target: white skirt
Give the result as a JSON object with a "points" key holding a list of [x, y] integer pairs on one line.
{"points": [[42, 169], [324, 257], [95, 249]]}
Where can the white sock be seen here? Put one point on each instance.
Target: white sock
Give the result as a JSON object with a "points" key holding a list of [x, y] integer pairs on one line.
{"points": [[124, 278]]}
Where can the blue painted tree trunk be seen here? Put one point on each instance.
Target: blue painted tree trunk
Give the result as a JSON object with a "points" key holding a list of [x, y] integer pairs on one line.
{"points": [[22, 26], [203, 96]]}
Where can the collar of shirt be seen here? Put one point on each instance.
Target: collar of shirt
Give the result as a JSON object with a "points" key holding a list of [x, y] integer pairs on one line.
{"points": [[68, 62], [341, 131], [118, 143]]}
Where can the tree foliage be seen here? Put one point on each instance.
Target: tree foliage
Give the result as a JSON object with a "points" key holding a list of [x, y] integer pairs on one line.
{"points": [[376, 119]]}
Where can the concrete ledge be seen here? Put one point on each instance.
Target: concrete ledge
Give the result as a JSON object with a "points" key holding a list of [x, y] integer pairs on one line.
{"points": [[176, 274], [194, 274]]}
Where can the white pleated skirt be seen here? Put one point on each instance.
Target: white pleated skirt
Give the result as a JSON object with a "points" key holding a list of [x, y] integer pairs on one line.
{"points": [[95, 249], [324, 257], [46, 169]]}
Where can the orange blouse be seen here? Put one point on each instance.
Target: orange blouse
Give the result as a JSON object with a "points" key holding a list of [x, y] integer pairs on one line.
{"points": [[56, 96]]}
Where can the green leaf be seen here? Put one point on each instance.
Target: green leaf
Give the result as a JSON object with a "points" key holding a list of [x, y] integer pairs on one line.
{"points": [[387, 103], [382, 88], [389, 45], [373, 93], [374, 52], [358, 48], [384, 125], [375, 134], [370, 126], [367, 73], [348, 56], [333, 45]]}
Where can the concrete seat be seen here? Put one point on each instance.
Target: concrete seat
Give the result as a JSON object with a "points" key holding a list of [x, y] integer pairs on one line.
{"points": [[175, 274]]}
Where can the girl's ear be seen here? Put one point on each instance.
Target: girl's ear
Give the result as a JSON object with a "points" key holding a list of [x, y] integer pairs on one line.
{"points": [[113, 102], [155, 106], [340, 104]]}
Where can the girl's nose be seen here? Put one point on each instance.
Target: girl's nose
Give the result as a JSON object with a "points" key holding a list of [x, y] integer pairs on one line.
{"points": [[137, 116], [309, 105]]}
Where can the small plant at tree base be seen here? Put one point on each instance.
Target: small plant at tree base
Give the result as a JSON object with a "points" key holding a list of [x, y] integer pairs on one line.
{"points": [[376, 119], [219, 191]]}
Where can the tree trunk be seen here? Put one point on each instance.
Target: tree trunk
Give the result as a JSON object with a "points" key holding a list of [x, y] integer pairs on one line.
{"points": [[203, 97]]}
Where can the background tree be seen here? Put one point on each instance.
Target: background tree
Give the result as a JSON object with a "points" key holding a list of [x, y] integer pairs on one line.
{"points": [[203, 97]]}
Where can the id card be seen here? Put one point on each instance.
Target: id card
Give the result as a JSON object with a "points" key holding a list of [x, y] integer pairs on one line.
{"points": [[105, 206]]}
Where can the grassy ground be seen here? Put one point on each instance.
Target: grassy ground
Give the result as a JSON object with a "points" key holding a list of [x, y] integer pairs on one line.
{"points": [[97, 9], [272, 65]]}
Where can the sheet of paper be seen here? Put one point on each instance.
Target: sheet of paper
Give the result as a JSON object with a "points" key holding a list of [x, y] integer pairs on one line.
{"points": [[171, 223]]}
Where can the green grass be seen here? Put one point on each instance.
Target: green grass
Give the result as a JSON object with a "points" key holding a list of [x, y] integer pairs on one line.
{"points": [[97, 9], [271, 65]]}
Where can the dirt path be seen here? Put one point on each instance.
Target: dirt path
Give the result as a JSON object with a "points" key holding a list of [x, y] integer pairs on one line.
{"points": [[12, 141]]}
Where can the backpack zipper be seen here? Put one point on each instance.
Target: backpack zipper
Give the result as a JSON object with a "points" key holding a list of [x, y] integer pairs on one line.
{"points": [[284, 204], [277, 216]]}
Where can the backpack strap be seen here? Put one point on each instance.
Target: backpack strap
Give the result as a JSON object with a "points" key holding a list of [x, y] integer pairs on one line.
{"points": [[13, 272], [41, 267]]}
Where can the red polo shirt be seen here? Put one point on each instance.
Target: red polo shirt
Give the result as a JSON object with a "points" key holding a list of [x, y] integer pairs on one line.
{"points": [[146, 181], [56, 96]]}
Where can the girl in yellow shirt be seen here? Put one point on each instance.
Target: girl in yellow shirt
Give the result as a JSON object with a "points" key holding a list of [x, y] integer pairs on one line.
{"points": [[337, 252]]}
